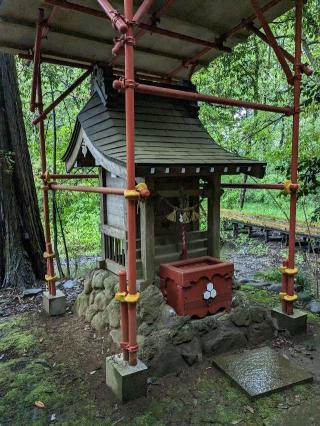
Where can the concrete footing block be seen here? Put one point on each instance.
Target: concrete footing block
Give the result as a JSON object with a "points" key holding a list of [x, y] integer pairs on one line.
{"points": [[126, 382], [295, 324], [54, 305]]}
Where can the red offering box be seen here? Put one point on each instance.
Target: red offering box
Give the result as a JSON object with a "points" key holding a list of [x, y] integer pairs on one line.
{"points": [[197, 287]]}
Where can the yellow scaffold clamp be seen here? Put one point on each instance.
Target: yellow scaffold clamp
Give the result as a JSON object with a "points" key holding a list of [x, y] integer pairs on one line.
{"points": [[290, 187], [120, 296], [282, 294], [292, 298], [50, 278], [47, 255], [132, 298], [140, 191], [291, 271], [287, 186]]}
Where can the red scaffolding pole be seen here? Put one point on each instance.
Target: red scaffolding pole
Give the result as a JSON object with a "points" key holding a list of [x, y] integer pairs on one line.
{"points": [[192, 96], [291, 270], [49, 255], [131, 203]]}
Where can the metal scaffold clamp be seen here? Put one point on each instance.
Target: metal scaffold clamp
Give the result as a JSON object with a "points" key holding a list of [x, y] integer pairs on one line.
{"points": [[120, 296], [132, 298], [140, 191], [291, 299], [48, 255], [290, 187], [290, 271], [50, 278]]}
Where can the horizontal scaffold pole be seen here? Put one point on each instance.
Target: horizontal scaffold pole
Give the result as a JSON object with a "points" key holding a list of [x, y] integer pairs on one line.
{"points": [[55, 61], [96, 190], [55, 103], [71, 176], [192, 96], [278, 186]]}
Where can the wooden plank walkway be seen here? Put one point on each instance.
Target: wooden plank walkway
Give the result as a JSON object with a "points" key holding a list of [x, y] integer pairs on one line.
{"points": [[268, 224]]}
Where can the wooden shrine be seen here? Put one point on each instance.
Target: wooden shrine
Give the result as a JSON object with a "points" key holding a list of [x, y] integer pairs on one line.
{"points": [[174, 156]]}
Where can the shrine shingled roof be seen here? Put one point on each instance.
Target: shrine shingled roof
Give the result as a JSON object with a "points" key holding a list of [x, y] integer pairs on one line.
{"points": [[169, 136]]}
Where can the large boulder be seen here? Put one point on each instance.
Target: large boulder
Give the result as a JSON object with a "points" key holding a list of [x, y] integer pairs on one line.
{"points": [[99, 321], [81, 304], [239, 298], [260, 332], [113, 312], [101, 301], [192, 352], [205, 325], [225, 338], [98, 278], [90, 312], [161, 356], [110, 283], [93, 296], [87, 286], [258, 313], [240, 316], [182, 334], [150, 304]]}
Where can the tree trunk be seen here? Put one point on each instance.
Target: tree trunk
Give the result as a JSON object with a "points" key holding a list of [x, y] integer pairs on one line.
{"points": [[21, 233]]}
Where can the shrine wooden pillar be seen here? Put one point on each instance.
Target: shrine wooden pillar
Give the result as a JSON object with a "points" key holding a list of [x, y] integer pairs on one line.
{"points": [[147, 217], [213, 218]]}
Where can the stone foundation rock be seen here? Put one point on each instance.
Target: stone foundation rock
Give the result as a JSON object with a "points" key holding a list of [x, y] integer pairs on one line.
{"points": [[167, 342]]}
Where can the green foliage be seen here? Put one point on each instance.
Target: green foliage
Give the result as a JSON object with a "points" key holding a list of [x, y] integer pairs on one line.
{"points": [[79, 212], [252, 72]]}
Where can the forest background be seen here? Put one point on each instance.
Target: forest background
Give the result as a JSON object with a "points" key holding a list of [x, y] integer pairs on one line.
{"points": [[251, 72]]}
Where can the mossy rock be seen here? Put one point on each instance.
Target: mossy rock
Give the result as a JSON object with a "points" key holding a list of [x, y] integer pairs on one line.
{"points": [[101, 301], [87, 286], [91, 311], [81, 304], [98, 278], [99, 321], [113, 312]]}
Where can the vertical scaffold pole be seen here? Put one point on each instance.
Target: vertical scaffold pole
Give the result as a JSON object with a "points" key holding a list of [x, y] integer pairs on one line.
{"points": [[292, 270], [49, 255], [131, 203]]}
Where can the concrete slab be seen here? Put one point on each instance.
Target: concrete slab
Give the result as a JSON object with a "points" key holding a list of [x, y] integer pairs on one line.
{"points": [[126, 382], [307, 414], [54, 305], [295, 324], [261, 371]]}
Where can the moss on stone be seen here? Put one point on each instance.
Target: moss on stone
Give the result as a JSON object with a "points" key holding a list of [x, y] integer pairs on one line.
{"points": [[258, 295]]}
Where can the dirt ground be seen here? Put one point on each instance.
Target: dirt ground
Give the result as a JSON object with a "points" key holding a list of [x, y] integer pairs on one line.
{"points": [[60, 362]]}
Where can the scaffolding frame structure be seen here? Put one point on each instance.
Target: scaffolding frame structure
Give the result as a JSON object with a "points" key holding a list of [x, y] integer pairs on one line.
{"points": [[126, 25]]}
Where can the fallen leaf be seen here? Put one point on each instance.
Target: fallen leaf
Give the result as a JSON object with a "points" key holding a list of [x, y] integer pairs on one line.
{"points": [[250, 409], [39, 404]]}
